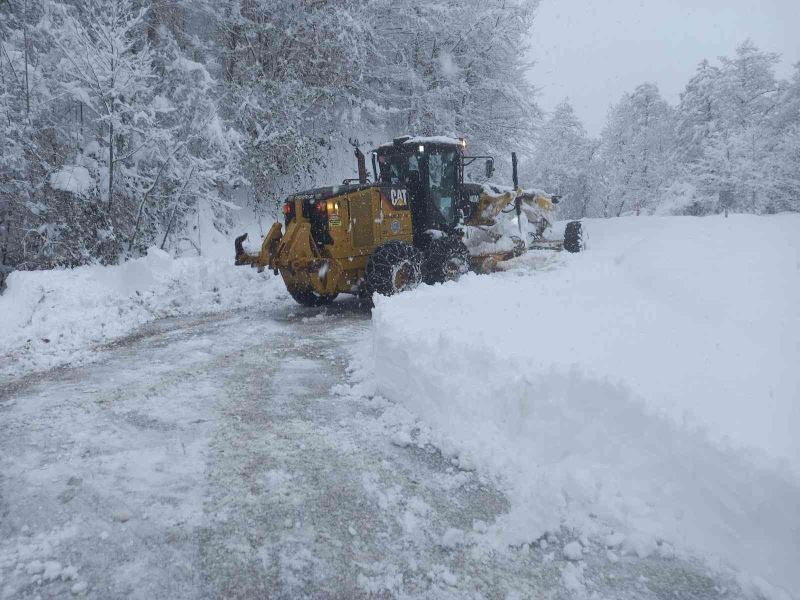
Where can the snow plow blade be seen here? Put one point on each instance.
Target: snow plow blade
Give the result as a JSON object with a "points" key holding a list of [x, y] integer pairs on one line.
{"points": [[266, 257]]}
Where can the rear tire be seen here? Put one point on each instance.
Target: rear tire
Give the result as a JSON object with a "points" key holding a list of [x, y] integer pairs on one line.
{"points": [[446, 259], [394, 267], [573, 237], [308, 297]]}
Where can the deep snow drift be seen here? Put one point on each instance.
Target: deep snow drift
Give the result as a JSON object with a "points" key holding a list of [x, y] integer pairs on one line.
{"points": [[49, 318], [647, 389]]}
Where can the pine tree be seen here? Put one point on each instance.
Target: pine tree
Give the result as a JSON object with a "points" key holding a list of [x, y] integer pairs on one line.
{"points": [[636, 152]]}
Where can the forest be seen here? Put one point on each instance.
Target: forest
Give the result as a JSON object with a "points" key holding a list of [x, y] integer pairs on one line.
{"points": [[127, 124]]}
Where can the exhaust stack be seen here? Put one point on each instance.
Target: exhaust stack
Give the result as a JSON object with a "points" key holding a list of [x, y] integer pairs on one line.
{"points": [[514, 177], [362, 165], [518, 199]]}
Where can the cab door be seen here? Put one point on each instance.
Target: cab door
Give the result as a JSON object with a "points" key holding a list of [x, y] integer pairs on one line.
{"points": [[442, 184]]}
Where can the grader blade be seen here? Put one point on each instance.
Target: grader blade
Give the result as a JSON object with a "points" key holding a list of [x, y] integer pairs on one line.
{"points": [[242, 257], [266, 257]]}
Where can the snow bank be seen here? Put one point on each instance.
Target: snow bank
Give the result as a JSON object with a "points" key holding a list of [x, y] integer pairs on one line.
{"points": [[54, 317], [616, 391]]}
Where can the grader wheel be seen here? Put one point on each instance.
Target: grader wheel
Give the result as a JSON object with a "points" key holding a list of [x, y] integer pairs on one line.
{"points": [[446, 259], [574, 240], [394, 267]]}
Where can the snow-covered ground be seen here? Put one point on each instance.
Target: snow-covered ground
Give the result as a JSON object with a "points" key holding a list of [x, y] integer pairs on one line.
{"points": [[50, 318], [618, 423], [222, 457], [645, 392]]}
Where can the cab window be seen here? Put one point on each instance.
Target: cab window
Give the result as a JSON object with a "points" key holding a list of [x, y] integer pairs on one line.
{"points": [[442, 182]]}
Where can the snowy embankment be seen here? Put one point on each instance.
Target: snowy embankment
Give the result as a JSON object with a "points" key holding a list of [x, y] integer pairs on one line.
{"points": [[645, 393], [53, 317]]}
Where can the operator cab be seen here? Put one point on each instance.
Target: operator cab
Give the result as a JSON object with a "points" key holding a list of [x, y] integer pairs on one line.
{"points": [[432, 170]]}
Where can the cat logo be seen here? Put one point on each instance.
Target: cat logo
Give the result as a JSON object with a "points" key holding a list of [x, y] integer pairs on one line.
{"points": [[399, 197]]}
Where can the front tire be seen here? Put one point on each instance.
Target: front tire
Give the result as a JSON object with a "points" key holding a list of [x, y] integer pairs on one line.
{"points": [[308, 297], [574, 240], [446, 259], [394, 267]]}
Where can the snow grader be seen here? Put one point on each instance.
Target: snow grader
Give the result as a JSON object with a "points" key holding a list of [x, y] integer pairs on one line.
{"points": [[417, 222]]}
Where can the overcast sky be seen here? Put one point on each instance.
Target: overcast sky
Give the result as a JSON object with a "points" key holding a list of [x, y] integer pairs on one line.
{"points": [[593, 51]]}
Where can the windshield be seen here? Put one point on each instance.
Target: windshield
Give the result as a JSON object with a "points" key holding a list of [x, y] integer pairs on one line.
{"points": [[395, 168], [442, 181]]}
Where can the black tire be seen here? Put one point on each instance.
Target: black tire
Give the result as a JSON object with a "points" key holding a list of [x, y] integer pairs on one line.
{"points": [[446, 259], [573, 237], [394, 267], [308, 297]]}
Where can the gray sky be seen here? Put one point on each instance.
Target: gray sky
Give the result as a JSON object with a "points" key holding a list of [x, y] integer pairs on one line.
{"points": [[593, 51]]}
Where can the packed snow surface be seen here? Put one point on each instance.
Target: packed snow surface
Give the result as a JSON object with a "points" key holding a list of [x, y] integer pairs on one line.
{"points": [[53, 317], [646, 391]]}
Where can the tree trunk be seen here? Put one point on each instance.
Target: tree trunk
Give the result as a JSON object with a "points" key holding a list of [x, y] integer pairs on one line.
{"points": [[110, 162], [142, 203], [175, 208], [27, 85]]}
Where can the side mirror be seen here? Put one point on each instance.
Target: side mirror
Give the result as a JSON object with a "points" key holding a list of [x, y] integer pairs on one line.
{"points": [[489, 167]]}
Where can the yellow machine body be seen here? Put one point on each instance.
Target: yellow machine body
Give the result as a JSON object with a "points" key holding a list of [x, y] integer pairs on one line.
{"points": [[418, 221], [358, 222]]}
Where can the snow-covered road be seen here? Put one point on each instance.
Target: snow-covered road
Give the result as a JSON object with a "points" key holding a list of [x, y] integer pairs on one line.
{"points": [[213, 457]]}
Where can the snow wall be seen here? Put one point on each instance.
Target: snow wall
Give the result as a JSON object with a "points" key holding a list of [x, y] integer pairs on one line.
{"points": [[646, 389]]}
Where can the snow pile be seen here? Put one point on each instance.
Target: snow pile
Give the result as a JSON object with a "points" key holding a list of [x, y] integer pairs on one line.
{"points": [[646, 390], [53, 317], [72, 178]]}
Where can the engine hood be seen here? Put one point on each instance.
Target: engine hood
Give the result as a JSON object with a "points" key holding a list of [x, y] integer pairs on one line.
{"points": [[331, 191]]}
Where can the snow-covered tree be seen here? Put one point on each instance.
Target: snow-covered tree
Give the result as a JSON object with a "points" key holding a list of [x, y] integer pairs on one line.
{"points": [[636, 153], [563, 160], [457, 68], [106, 65], [32, 138], [128, 123], [194, 155], [287, 73], [739, 155], [700, 112], [786, 127], [300, 75], [732, 128]]}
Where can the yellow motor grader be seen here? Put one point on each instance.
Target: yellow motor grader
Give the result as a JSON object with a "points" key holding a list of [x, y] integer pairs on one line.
{"points": [[417, 222]]}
